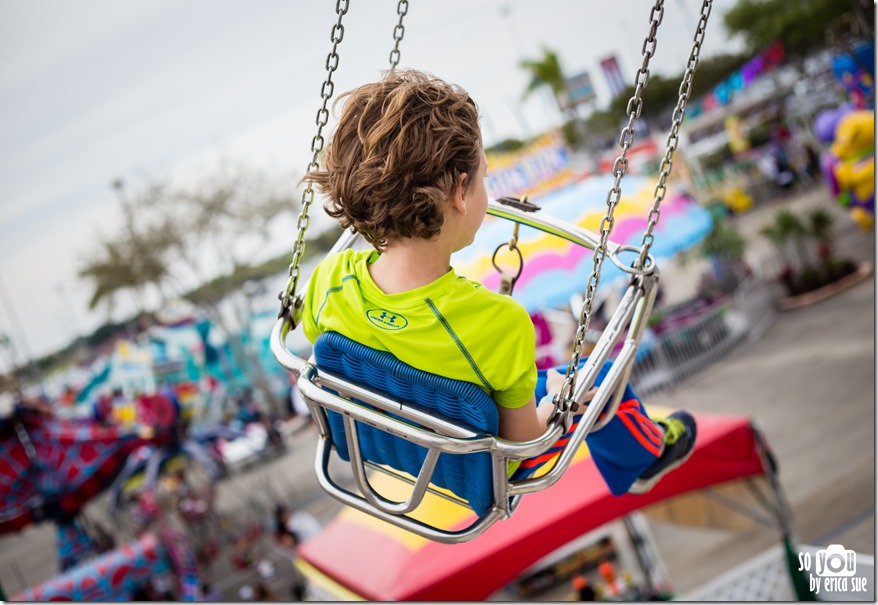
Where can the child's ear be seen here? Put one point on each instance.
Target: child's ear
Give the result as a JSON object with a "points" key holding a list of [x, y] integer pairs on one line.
{"points": [[459, 200]]}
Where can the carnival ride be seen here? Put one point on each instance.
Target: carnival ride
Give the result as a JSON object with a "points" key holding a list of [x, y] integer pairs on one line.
{"points": [[544, 281], [146, 434], [56, 467], [147, 568]]}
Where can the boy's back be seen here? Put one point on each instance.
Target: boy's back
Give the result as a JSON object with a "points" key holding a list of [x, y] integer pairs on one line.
{"points": [[452, 326]]}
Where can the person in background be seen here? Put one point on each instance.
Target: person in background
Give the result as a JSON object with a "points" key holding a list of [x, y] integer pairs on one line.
{"points": [[263, 593], [300, 525], [584, 591], [615, 586], [297, 402]]}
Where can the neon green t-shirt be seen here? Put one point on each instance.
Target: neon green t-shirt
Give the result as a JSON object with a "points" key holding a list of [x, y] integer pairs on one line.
{"points": [[453, 327]]}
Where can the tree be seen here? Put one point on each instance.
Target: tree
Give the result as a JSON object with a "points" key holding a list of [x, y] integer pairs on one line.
{"points": [[175, 239], [788, 233], [725, 246], [136, 259], [546, 71], [794, 230], [799, 26], [506, 145], [661, 93], [226, 218], [604, 127], [820, 225]]}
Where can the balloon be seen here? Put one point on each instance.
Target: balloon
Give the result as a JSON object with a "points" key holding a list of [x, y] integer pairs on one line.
{"points": [[826, 122], [853, 165]]}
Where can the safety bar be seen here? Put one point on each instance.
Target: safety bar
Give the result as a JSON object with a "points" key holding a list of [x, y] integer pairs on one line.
{"points": [[438, 435]]}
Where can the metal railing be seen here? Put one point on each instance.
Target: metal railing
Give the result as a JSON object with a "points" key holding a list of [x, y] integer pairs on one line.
{"points": [[676, 354]]}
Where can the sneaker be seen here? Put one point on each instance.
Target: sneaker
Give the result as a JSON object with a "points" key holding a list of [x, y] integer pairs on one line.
{"points": [[680, 434]]}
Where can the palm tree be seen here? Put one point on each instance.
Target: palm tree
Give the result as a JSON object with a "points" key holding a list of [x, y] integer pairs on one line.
{"points": [[130, 263], [547, 71], [820, 224], [789, 232], [793, 230], [110, 272], [780, 239], [725, 246], [177, 238], [774, 235]]}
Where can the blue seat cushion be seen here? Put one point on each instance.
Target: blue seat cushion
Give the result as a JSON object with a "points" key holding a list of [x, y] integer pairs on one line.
{"points": [[468, 476]]}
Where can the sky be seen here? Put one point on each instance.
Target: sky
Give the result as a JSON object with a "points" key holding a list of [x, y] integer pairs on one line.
{"points": [[97, 90]]}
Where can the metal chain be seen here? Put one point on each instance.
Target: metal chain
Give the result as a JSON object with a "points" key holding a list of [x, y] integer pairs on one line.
{"points": [[673, 138], [289, 297], [563, 401], [398, 32]]}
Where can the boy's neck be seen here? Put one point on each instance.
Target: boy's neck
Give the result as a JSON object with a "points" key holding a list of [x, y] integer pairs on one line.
{"points": [[409, 264]]}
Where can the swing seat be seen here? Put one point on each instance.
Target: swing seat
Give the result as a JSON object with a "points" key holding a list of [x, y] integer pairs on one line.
{"points": [[469, 476], [438, 435]]}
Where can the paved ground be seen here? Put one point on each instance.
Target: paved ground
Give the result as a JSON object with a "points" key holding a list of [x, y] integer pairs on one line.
{"points": [[809, 384], [808, 381]]}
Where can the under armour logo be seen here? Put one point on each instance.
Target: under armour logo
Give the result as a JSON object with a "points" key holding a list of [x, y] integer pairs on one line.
{"points": [[386, 320]]}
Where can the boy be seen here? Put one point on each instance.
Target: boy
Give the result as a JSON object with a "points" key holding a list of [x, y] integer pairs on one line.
{"points": [[406, 169]]}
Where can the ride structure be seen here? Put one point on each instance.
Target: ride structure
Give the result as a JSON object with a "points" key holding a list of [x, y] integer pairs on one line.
{"points": [[127, 573], [381, 415], [54, 467]]}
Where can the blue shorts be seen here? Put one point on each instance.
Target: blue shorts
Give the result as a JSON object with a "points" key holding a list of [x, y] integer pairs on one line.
{"points": [[627, 445]]}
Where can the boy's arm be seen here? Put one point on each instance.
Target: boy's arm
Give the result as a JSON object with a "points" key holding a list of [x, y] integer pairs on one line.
{"points": [[529, 421], [524, 423]]}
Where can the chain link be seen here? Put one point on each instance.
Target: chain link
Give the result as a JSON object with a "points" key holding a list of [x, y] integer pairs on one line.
{"points": [[398, 32], [673, 136], [288, 296], [563, 401]]}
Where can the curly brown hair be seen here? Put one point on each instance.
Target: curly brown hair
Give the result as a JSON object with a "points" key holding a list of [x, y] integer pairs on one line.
{"points": [[397, 154]]}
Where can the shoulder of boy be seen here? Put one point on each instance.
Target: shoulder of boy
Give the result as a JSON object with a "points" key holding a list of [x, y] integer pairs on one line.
{"points": [[509, 312], [333, 263]]}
